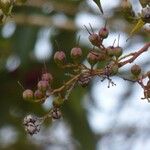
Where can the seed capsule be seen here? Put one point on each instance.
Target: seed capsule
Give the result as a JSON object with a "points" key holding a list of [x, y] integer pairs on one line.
{"points": [[118, 51], [110, 50], [38, 94], [92, 58], [43, 85], [103, 33], [47, 77], [94, 39], [76, 53], [59, 57], [136, 70], [28, 94]]}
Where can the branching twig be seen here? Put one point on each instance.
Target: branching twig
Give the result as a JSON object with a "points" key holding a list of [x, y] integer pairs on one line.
{"points": [[135, 55]]}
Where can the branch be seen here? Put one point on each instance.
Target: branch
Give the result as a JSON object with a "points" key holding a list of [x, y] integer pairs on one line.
{"points": [[135, 55]]}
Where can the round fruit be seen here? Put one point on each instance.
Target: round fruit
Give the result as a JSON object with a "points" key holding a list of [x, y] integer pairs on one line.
{"points": [[28, 94]]}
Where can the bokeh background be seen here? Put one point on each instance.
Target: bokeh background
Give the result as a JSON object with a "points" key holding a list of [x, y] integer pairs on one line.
{"points": [[94, 118]]}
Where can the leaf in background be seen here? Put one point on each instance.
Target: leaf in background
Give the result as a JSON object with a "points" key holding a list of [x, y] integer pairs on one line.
{"points": [[137, 27], [98, 3]]}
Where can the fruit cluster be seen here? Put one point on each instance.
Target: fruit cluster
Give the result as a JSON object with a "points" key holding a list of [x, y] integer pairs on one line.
{"points": [[112, 59]]}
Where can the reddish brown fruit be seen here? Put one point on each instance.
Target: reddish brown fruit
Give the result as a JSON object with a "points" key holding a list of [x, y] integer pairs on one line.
{"points": [[103, 33], [76, 53], [59, 57]]}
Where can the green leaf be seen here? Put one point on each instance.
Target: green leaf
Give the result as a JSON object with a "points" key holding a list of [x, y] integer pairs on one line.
{"points": [[98, 3]]}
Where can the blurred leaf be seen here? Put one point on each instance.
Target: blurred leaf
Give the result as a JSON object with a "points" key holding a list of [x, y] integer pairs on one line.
{"points": [[137, 27], [98, 3]]}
